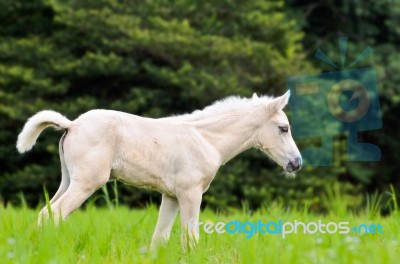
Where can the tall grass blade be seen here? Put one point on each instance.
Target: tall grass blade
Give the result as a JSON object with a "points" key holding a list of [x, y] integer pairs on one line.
{"points": [[106, 197], [22, 200], [334, 200], [116, 196], [48, 205], [373, 204], [392, 202]]}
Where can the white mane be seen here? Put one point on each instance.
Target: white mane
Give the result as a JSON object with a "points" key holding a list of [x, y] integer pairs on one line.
{"points": [[226, 105]]}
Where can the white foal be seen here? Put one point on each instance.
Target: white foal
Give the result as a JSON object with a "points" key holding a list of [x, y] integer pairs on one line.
{"points": [[177, 156]]}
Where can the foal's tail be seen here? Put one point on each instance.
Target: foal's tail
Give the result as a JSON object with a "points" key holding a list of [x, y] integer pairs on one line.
{"points": [[36, 124]]}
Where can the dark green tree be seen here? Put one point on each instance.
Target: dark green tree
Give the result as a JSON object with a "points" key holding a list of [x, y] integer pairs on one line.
{"points": [[372, 24], [150, 58]]}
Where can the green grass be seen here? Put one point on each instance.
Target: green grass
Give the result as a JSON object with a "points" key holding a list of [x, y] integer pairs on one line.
{"points": [[122, 235]]}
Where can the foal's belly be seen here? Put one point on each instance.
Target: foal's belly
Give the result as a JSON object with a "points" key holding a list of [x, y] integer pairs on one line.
{"points": [[142, 179]]}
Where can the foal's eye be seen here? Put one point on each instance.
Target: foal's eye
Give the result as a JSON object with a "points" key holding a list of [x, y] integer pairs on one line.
{"points": [[283, 129]]}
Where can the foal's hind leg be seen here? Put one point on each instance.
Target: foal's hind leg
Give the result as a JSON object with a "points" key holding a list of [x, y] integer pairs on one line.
{"points": [[64, 171], [72, 199], [88, 171], [77, 192], [64, 182]]}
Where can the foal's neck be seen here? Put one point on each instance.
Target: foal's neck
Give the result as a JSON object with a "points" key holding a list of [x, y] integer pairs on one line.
{"points": [[231, 133]]}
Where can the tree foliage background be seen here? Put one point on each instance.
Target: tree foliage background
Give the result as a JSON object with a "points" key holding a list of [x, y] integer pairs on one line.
{"points": [[157, 58]]}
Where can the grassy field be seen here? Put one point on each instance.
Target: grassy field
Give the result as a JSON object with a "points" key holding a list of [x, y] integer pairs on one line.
{"points": [[122, 235]]}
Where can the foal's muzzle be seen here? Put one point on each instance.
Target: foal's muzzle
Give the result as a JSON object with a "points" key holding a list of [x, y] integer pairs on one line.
{"points": [[294, 165]]}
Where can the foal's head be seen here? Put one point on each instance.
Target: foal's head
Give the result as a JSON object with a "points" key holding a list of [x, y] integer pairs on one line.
{"points": [[275, 138]]}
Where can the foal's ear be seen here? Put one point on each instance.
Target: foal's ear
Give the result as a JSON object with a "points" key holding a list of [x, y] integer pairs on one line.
{"points": [[279, 103], [255, 96]]}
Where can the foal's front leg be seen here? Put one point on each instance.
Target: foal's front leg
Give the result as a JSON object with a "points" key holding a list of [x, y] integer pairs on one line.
{"points": [[168, 210], [189, 204]]}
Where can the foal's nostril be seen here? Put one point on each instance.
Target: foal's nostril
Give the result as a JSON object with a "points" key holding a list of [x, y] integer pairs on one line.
{"points": [[298, 162], [294, 165]]}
